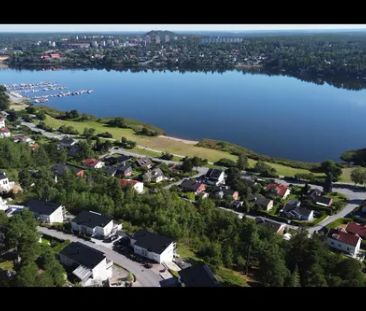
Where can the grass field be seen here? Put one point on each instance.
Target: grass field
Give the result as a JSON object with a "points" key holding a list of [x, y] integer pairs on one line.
{"points": [[164, 144]]}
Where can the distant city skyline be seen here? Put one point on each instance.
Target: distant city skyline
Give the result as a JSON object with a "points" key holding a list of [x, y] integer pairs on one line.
{"points": [[172, 27]]}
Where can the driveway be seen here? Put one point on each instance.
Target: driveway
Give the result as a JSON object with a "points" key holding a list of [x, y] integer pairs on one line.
{"points": [[145, 277]]}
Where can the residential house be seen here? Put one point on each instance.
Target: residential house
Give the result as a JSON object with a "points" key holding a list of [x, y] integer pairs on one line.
{"points": [[278, 227], [138, 186], [191, 185], [67, 142], [316, 196], [155, 175], [4, 132], [223, 193], [119, 160], [199, 275], [344, 241], [23, 139], [2, 122], [215, 177], [47, 212], [93, 163], [3, 205], [94, 224], [263, 203], [91, 267], [299, 213], [124, 170], [153, 246], [5, 185], [281, 190], [145, 163], [356, 228], [60, 169], [236, 204]]}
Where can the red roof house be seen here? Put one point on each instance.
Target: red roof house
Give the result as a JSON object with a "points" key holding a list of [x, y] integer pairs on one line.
{"points": [[345, 237], [281, 190], [94, 163], [356, 228]]}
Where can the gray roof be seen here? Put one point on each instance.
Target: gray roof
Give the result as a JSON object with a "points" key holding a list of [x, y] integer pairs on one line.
{"points": [[3, 175], [190, 185], [198, 276], [83, 254], [262, 201], [214, 173], [92, 219], [144, 162], [153, 242], [42, 207], [323, 200]]}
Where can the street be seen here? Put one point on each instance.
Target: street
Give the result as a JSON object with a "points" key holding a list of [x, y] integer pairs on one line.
{"points": [[145, 277]]}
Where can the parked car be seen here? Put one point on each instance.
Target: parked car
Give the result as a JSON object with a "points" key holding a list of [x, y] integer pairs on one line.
{"points": [[111, 239], [148, 265]]}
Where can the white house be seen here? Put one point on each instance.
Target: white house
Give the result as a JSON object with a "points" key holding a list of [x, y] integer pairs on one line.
{"points": [[2, 122], [138, 186], [91, 266], [215, 176], [47, 212], [94, 224], [5, 184], [154, 175], [4, 132], [153, 246], [93, 163], [3, 205], [344, 241]]}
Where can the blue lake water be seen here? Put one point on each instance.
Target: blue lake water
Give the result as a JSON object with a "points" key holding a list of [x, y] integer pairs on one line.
{"points": [[279, 116]]}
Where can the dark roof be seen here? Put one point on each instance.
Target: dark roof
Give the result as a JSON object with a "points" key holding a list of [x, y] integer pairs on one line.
{"points": [[92, 219], [323, 200], [290, 205], [271, 224], [67, 140], [190, 185], [143, 161], [123, 168], [198, 276], [214, 173], [303, 211], [262, 201], [83, 254], [152, 241], [3, 175], [59, 168], [42, 207]]}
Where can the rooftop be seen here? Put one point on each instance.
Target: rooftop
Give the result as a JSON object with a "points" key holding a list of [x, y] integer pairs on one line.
{"points": [[83, 255], [214, 173], [92, 219], [198, 276], [152, 241], [279, 188], [356, 228], [342, 236], [42, 207]]}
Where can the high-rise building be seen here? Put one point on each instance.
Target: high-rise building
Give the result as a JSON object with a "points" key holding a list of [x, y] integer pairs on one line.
{"points": [[167, 38], [157, 39]]}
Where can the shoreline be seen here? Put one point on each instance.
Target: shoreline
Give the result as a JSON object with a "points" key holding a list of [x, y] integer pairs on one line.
{"points": [[186, 141]]}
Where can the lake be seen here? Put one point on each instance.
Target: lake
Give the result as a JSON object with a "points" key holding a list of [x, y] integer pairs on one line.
{"points": [[275, 115]]}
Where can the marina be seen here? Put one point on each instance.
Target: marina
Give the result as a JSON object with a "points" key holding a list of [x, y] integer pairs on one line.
{"points": [[26, 89]]}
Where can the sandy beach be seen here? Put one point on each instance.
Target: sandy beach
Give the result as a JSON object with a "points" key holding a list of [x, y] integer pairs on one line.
{"points": [[186, 141]]}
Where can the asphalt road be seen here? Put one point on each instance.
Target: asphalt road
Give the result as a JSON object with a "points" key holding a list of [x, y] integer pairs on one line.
{"points": [[33, 128], [145, 277]]}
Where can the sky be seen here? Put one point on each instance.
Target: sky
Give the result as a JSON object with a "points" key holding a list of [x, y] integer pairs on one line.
{"points": [[171, 27]]}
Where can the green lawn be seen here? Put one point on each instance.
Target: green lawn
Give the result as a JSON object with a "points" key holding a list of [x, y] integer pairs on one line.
{"points": [[163, 144], [7, 265], [337, 223], [226, 276]]}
